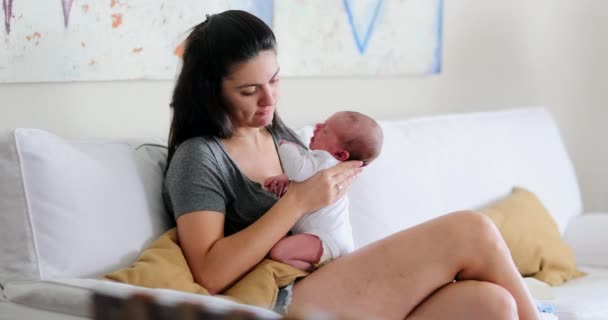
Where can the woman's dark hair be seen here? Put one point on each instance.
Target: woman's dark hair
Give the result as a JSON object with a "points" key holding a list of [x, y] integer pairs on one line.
{"points": [[210, 50]]}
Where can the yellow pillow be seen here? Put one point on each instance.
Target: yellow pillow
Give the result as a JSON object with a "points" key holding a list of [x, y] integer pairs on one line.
{"points": [[533, 238], [163, 265], [260, 287]]}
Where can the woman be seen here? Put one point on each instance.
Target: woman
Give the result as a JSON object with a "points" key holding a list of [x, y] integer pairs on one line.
{"points": [[222, 146]]}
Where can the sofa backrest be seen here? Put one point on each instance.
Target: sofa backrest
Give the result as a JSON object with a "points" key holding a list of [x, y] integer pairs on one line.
{"points": [[435, 165], [76, 208], [83, 208]]}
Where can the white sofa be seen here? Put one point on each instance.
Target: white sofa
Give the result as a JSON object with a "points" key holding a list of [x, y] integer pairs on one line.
{"points": [[71, 211]]}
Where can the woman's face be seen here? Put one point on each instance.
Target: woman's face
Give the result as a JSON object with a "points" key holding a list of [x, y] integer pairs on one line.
{"points": [[251, 89]]}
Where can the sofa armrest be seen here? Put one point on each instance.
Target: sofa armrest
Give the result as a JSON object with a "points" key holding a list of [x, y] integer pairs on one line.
{"points": [[587, 235]]}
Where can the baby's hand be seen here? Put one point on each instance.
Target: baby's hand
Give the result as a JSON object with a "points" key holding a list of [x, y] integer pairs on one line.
{"points": [[277, 184]]}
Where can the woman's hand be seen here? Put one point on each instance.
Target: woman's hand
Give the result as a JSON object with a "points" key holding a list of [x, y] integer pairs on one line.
{"points": [[325, 187]]}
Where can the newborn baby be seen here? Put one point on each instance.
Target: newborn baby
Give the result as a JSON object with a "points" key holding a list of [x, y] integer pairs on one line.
{"points": [[344, 136]]}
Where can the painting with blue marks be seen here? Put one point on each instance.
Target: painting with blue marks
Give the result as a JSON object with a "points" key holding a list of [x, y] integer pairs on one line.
{"points": [[359, 37], [363, 24], [263, 9], [114, 40]]}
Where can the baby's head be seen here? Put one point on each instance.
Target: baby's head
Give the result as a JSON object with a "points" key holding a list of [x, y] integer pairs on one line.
{"points": [[348, 135]]}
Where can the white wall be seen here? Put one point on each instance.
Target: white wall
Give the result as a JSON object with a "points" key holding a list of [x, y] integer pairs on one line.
{"points": [[497, 54]]}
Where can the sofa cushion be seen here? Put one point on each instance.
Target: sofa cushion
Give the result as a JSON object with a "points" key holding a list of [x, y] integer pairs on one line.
{"points": [[533, 238], [76, 208], [163, 265], [10, 310], [585, 298], [73, 296], [588, 237]]}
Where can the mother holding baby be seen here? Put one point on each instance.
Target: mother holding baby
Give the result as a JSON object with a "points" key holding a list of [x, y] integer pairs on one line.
{"points": [[222, 148]]}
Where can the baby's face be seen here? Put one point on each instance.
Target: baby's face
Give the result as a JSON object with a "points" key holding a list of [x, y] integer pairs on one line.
{"points": [[325, 135]]}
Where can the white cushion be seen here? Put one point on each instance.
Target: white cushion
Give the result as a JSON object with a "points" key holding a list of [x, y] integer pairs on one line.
{"points": [[584, 298], [435, 165], [76, 208], [587, 236], [73, 296], [12, 311]]}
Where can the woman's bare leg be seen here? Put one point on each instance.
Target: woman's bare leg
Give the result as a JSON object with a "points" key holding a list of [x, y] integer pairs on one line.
{"points": [[458, 300], [390, 278]]}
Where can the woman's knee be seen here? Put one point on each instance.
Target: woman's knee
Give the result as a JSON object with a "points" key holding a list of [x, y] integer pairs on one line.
{"points": [[476, 233]]}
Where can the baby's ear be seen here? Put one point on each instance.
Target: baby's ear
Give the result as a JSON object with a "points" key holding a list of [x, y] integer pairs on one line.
{"points": [[341, 155]]}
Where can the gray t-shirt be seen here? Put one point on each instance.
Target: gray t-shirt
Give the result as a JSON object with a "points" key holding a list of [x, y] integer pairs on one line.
{"points": [[203, 177]]}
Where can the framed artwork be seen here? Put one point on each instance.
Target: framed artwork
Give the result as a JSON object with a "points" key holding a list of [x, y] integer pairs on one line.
{"points": [[88, 40]]}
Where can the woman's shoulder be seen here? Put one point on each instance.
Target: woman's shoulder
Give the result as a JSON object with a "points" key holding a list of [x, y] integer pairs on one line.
{"points": [[198, 142], [198, 147]]}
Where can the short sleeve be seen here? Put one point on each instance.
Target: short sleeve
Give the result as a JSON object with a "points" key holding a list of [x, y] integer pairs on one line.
{"points": [[194, 181]]}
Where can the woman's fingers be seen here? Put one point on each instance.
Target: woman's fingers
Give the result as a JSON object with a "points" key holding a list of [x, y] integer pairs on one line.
{"points": [[345, 167], [326, 186], [339, 178], [343, 172]]}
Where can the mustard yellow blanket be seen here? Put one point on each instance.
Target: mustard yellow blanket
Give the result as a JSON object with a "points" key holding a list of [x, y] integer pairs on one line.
{"points": [[163, 265]]}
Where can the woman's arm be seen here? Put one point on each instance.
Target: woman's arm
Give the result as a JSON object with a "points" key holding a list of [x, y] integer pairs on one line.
{"points": [[217, 261]]}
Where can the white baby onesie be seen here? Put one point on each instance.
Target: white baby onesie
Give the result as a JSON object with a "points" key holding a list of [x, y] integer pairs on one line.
{"points": [[332, 223]]}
